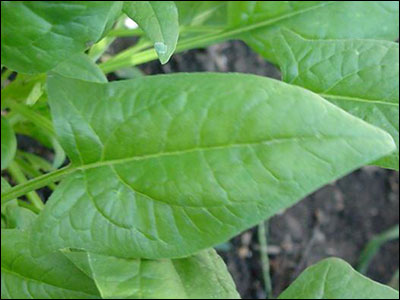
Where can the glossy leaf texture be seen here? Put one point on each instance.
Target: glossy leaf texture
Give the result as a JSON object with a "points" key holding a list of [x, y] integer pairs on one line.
{"points": [[38, 35], [159, 20], [360, 76], [80, 66], [201, 276], [162, 170], [8, 143], [49, 277], [259, 22], [335, 279]]}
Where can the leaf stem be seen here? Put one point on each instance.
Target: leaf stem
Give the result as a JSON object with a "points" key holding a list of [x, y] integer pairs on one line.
{"points": [[31, 171], [36, 183], [199, 41], [373, 247], [32, 115], [125, 32], [29, 206], [19, 177], [262, 239], [6, 74]]}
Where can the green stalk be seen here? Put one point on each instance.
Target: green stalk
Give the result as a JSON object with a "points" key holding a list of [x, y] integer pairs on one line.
{"points": [[31, 171], [29, 206], [263, 240], [32, 115], [6, 74], [36, 183], [198, 41], [373, 247], [124, 32], [19, 177]]}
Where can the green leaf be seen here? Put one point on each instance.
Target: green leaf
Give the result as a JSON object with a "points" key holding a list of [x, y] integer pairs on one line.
{"points": [[192, 13], [163, 166], [360, 76], [49, 277], [159, 20], [202, 276], [335, 279], [80, 66], [38, 35], [8, 143], [261, 21], [17, 217]]}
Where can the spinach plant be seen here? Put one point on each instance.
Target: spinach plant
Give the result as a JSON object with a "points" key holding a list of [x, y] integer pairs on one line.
{"points": [[162, 168]]}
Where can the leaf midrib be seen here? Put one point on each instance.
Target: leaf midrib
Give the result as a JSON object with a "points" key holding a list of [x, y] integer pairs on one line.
{"points": [[357, 99], [209, 148], [237, 29]]}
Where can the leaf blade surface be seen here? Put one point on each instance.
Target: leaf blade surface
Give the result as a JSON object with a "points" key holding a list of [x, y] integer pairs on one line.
{"points": [[166, 170]]}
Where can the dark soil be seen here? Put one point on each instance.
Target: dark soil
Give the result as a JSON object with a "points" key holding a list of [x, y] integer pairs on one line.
{"points": [[338, 220]]}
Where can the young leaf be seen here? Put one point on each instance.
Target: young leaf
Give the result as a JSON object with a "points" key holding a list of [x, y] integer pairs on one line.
{"points": [[335, 279], [8, 143], [161, 170], [80, 66], [202, 276], [49, 277], [159, 20], [38, 35], [261, 21], [360, 76]]}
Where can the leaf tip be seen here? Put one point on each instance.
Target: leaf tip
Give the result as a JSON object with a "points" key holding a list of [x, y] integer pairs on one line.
{"points": [[162, 52]]}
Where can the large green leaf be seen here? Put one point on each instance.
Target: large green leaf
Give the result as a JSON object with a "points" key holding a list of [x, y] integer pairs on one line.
{"points": [[360, 76], [38, 35], [49, 277], [8, 143], [260, 21], [159, 20], [166, 165], [202, 276], [335, 279]]}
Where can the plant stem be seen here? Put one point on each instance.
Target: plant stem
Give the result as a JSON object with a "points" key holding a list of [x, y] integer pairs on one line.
{"points": [[29, 206], [32, 115], [19, 177], [199, 41], [263, 240], [373, 247], [124, 32], [6, 74], [36, 183], [31, 171]]}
